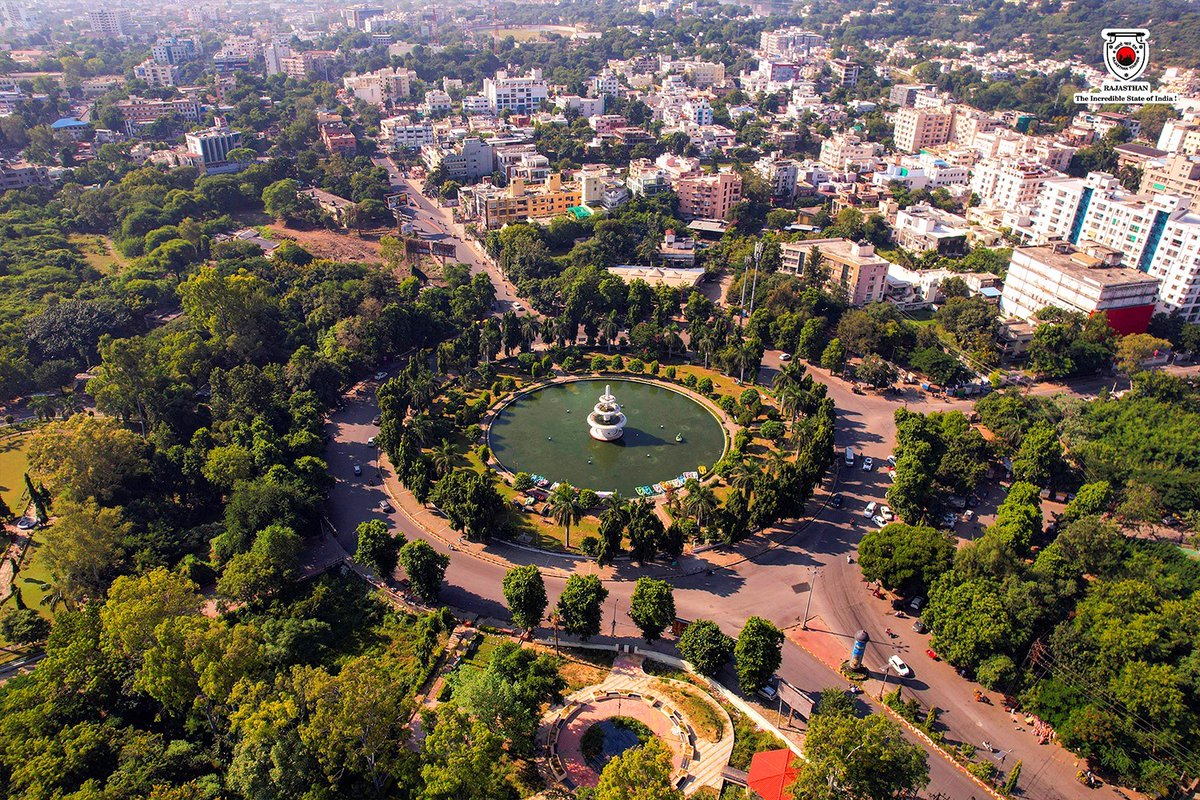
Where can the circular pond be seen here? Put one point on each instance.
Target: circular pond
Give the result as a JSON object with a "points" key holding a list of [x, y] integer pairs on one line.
{"points": [[666, 435]]}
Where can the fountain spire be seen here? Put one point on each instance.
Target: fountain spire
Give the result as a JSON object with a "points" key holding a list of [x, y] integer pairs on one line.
{"points": [[607, 421]]}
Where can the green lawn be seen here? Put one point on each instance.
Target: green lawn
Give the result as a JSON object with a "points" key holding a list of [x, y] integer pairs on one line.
{"points": [[99, 252], [32, 581], [14, 461]]}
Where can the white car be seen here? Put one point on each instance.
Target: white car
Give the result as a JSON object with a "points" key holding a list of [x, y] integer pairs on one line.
{"points": [[518, 307], [371, 442], [380, 376], [785, 356], [868, 464], [879, 520], [886, 513], [869, 511], [897, 663]]}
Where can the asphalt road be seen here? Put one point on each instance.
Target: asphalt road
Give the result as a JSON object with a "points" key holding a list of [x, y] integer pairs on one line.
{"points": [[772, 585]]}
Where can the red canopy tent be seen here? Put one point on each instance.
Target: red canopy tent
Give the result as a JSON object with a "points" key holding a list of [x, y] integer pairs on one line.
{"points": [[771, 772]]}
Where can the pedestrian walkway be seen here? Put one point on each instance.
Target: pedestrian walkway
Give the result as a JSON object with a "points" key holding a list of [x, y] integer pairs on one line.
{"points": [[628, 691]]}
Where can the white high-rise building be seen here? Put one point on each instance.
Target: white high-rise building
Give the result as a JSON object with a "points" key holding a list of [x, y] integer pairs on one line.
{"points": [[605, 84], [110, 22], [515, 94], [1155, 234], [1008, 184]]}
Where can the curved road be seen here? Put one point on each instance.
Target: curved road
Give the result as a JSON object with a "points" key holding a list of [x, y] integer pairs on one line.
{"points": [[841, 604]]}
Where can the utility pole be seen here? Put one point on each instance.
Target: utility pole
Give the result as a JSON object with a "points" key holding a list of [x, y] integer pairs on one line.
{"points": [[614, 624], [758, 250], [886, 669], [742, 302], [812, 584]]}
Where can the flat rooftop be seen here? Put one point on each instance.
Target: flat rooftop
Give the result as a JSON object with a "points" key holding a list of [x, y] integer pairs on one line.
{"points": [[1083, 267]]}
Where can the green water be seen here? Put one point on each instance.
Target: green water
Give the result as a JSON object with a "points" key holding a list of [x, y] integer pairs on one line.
{"points": [[546, 433]]}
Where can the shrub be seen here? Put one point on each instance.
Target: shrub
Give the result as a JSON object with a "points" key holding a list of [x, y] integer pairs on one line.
{"points": [[599, 363], [668, 373], [473, 432], [618, 363], [522, 481], [569, 364], [772, 430], [705, 386], [653, 367], [590, 546], [588, 498], [996, 672], [689, 381], [637, 366]]}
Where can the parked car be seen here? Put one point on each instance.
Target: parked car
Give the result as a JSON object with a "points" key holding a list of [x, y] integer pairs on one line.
{"points": [[868, 464], [518, 307], [920, 627], [358, 469], [375, 420], [897, 663], [886, 513], [836, 501], [891, 460], [769, 692], [385, 506], [932, 654], [381, 376], [916, 603], [869, 511], [785, 356], [879, 520], [371, 441]]}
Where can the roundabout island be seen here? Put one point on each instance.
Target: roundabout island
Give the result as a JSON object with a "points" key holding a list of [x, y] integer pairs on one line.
{"points": [[637, 437]]}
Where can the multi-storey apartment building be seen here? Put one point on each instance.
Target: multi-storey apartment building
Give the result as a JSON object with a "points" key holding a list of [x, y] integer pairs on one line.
{"points": [[847, 151], [156, 73], [781, 174], [1008, 184], [1156, 234], [519, 201], [524, 94], [466, 162], [110, 22], [1175, 174], [708, 196], [855, 267], [380, 86], [405, 133], [1061, 275], [917, 128], [210, 147]]}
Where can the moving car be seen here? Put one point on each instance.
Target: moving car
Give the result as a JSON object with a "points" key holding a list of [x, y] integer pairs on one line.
{"points": [[868, 464], [897, 663], [836, 501], [358, 469], [385, 506]]}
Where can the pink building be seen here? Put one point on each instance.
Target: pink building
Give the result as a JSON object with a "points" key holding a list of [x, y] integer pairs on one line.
{"points": [[708, 196]]}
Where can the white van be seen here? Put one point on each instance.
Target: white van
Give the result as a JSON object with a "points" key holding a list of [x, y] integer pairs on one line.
{"points": [[849, 456]]}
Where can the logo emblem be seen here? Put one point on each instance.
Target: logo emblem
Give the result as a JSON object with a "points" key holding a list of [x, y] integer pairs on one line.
{"points": [[1126, 53]]}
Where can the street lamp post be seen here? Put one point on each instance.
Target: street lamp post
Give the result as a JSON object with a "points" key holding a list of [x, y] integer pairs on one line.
{"points": [[886, 669], [812, 584]]}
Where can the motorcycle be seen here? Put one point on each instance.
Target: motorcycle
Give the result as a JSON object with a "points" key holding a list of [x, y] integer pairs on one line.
{"points": [[980, 697]]}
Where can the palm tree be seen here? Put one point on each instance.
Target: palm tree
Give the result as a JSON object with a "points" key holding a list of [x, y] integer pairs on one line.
{"points": [[741, 477], [443, 457], [609, 330], [701, 500], [489, 337], [705, 343], [565, 508], [530, 328], [420, 428], [672, 339]]}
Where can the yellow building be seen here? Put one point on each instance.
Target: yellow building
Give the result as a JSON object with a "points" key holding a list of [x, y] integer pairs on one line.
{"points": [[520, 201]]}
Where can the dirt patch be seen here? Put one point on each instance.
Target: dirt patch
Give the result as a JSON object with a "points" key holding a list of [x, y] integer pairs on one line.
{"points": [[580, 667], [333, 245], [705, 718]]}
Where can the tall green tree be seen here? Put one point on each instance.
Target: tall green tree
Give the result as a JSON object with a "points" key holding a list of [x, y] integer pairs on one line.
{"points": [[640, 773], [758, 653], [652, 607], [425, 568], [525, 593], [580, 606]]}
